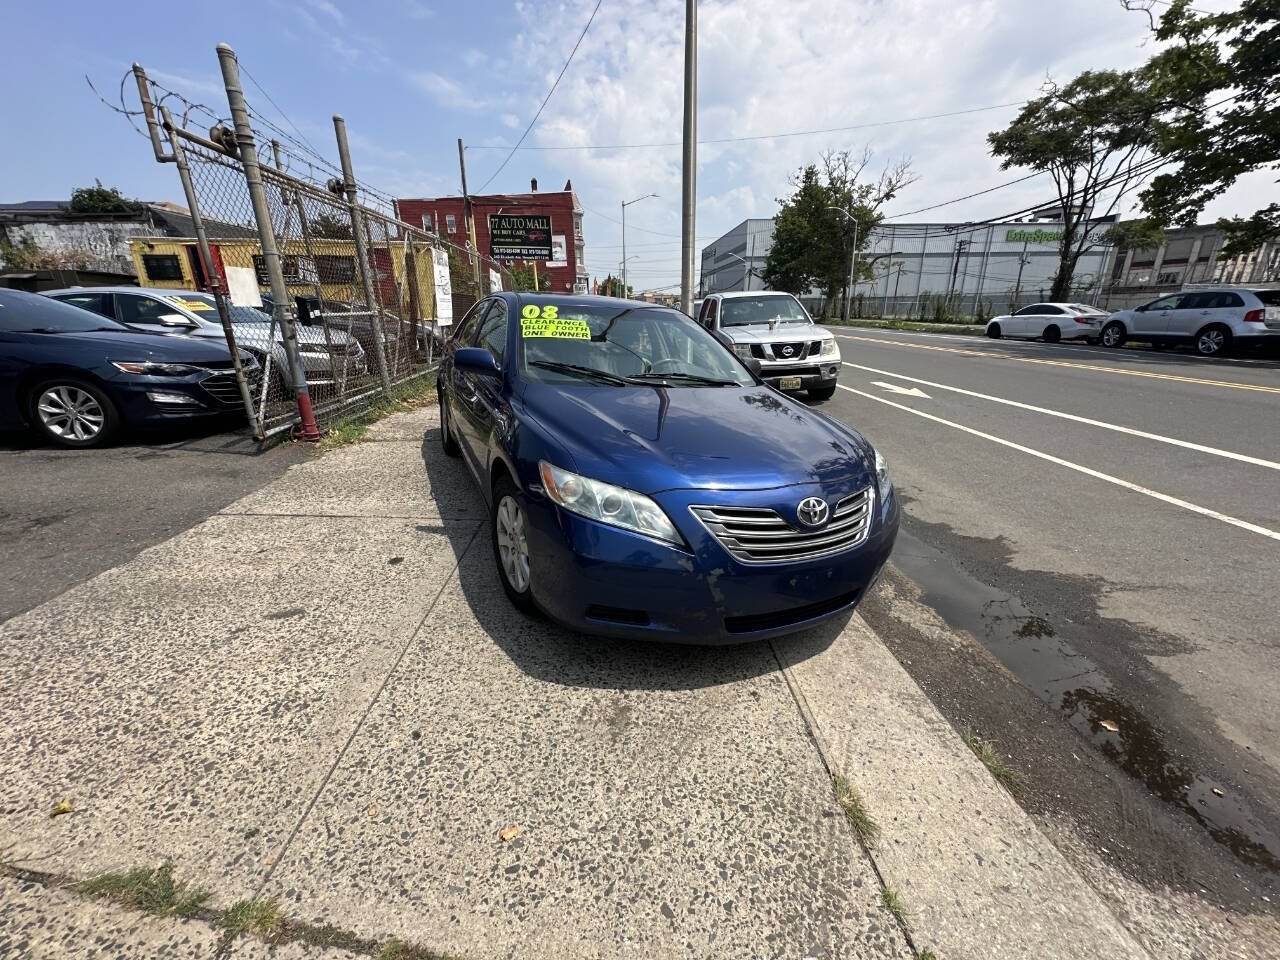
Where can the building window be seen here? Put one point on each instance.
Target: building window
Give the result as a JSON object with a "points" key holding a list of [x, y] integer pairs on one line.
{"points": [[577, 226], [426, 222], [578, 253], [162, 266], [450, 223]]}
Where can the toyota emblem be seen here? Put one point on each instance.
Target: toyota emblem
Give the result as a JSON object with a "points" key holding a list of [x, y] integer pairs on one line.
{"points": [[812, 511], [788, 350]]}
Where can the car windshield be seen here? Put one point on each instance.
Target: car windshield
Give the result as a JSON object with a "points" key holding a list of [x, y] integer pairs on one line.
{"points": [[205, 304], [740, 311], [32, 313], [608, 343]]}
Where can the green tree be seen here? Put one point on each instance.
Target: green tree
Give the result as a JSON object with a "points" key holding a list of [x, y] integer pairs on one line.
{"points": [[611, 286], [813, 242], [100, 199], [1093, 136], [522, 275], [1229, 60]]}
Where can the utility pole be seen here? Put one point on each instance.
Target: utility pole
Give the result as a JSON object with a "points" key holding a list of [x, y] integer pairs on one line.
{"points": [[853, 258], [1022, 262], [955, 267], [469, 215], [688, 191]]}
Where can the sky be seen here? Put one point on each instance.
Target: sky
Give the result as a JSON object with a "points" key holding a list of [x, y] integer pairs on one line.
{"points": [[411, 76]]}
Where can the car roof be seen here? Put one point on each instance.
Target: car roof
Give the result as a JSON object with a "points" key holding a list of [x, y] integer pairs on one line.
{"points": [[154, 291], [734, 294], [582, 299]]}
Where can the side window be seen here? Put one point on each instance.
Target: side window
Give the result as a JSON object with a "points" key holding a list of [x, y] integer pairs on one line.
{"points": [[1227, 299], [493, 331], [138, 309], [1033, 310], [1049, 308], [464, 332], [97, 302], [1198, 301], [1167, 303], [426, 222], [713, 306]]}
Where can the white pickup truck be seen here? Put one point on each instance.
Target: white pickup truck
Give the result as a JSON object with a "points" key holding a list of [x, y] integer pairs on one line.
{"points": [[774, 328]]}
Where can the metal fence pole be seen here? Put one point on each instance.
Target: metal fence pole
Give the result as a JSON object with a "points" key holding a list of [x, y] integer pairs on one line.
{"points": [[270, 254], [211, 274], [362, 253]]}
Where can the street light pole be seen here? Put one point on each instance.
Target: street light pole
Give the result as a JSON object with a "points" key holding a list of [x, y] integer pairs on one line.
{"points": [[625, 204], [747, 269], [853, 258]]}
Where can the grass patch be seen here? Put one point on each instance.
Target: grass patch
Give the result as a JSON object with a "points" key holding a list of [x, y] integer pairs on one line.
{"points": [[892, 901], [354, 427], [926, 954], [153, 890], [961, 328], [997, 766], [399, 950], [855, 809], [262, 918]]}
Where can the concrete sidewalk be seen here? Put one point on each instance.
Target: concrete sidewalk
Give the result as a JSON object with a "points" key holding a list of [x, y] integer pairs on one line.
{"points": [[321, 695]]}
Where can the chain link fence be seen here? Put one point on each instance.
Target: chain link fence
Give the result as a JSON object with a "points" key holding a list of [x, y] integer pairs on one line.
{"points": [[366, 298]]}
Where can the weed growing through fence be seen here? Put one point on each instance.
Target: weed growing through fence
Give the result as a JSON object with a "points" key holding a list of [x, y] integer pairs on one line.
{"points": [[153, 890], [354, 428]]}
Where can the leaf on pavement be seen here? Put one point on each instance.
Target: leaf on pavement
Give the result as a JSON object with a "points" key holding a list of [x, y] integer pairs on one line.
{"points": [[372, 812], [64, 806], [507, 834], [1108, 725]]}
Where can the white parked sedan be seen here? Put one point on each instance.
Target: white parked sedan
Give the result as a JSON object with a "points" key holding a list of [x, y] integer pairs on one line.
{"points": [[1050, 322]]}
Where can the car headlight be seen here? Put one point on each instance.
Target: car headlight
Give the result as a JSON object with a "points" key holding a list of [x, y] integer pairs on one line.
{"points": [[148, 369], [601, 501], [743, 350], [829, 348], [883, 480]]}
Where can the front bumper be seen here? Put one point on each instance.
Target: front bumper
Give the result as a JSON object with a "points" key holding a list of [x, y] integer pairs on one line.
{"points": [[208, 393], [821, 374], [610, 582]]}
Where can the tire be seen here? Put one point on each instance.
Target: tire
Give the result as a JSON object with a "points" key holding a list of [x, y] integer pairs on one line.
{"points": [[993, 331], [819, 394], [1112, 335], [1052, 334], [1213, 340], [447, 440], [72, 413], [509, 525]]}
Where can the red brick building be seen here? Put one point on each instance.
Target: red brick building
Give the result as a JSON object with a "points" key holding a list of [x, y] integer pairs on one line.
{"points": [[444, 216]]}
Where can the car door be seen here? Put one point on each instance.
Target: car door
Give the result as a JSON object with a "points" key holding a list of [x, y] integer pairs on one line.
{"points": [[461, 390], [489, 408], [1153, 319], [1025, 323], [144, 312]]}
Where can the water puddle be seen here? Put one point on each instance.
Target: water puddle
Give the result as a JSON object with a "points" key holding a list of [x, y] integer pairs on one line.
{"points": [[1042, 656]]}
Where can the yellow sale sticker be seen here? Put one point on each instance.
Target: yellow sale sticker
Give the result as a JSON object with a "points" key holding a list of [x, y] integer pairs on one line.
{"points": [[194, 305], [545, 321]]}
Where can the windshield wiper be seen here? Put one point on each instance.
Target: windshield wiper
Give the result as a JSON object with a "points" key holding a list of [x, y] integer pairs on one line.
{"points": [[685, 378], [587, 373]]}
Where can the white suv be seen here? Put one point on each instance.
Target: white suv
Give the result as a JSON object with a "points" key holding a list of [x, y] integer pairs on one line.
{"points": [[1211, 319]]}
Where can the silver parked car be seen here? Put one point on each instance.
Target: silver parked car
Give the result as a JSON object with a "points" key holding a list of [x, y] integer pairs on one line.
{"points": [[1050, 322], [1211, 319], [187, 313], [775, 329]]}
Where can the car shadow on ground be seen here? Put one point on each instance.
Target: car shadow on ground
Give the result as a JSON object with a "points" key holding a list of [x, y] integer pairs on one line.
{"points": [[229, 431], [546, 651]]}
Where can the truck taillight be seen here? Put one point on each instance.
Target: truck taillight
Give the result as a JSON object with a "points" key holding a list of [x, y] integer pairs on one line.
{"points": [[1255, 316]]}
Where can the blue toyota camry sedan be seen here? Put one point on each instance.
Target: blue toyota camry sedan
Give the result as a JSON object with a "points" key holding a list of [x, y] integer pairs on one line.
{"points": [[644, 482]]}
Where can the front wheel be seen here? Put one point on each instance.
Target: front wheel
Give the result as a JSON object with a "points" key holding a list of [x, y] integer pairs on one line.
{"points": [[1113, 335], [993, 331], [447, 440], [73, 413], [1213, 340], [819, 394], [1052, 334], [511, 543]]}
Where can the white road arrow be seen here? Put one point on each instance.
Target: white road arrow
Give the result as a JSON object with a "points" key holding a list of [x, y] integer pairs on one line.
{"points": [[907, 391]]}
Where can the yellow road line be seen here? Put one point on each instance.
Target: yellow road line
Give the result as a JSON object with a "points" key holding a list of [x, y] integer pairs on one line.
{"points": [[1256, 388]]}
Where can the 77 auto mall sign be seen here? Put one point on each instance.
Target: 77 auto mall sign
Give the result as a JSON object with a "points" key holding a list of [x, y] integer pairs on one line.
{"points": [[520, 238]]}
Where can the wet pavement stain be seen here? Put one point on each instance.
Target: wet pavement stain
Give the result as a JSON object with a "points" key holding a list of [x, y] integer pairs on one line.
{"points": [[1045, 661]]}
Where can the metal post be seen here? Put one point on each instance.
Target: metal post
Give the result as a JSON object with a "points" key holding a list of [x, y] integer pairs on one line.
{"points": [[688, 191], [624, 246], [149, 112], [853, 259], [469, 217], [1022, 262], [215, 281], [362, 253], [270, 254]]}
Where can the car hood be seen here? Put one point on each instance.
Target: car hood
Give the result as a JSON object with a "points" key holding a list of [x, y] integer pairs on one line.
{"points": [[651, 439], [118, 345], [760, 332]]}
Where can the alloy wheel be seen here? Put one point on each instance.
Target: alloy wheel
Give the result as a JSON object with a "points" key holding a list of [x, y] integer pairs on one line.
{"points": [[1211, 341], [1111, 336], [513, 546], [70, 412]]}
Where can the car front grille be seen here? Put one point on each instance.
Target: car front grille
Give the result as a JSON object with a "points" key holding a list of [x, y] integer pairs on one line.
{"points": [[760, 535], [797, 350], [223, 388]]}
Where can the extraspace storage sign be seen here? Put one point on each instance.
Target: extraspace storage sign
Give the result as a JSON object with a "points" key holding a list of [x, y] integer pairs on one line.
{"points": [[520, 238]]}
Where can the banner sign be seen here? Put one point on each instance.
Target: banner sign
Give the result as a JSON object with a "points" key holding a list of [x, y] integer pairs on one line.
{"points": [[520, 238], [444, 295], [559, 252]]}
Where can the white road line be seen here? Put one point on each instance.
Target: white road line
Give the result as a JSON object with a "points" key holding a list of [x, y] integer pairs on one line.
{"points": [[1087, 471], [1185, 444]]}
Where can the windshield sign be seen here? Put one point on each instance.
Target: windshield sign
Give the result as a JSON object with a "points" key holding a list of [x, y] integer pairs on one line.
{"points": [[741, 311], [589, 343]]}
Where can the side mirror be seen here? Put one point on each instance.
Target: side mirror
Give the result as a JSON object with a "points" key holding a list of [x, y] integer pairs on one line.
{"points": [[1141, 309], [753, 365], [177, 320], [476, 360]]}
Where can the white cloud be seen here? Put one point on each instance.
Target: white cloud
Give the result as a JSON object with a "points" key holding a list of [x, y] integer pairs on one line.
{"points": [[446, 92], [510, 121], [329, 10], [472, 57], [769, 66]]}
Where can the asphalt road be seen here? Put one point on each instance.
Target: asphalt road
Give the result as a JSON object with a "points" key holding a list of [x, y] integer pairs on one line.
{"points": [[1107, 524], [68, 515]]}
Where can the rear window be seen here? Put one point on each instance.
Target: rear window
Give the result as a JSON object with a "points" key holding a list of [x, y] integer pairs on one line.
{"points": [[1270, 297]]}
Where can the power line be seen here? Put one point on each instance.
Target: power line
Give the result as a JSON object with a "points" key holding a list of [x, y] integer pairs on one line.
{"points": [[760, 136], [970, 196], [581, 37]]}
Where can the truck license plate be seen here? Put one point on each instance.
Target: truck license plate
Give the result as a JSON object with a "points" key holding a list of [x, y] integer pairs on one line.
{"points": [[789, 383]]}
